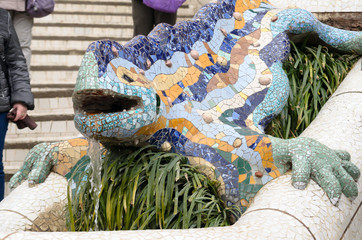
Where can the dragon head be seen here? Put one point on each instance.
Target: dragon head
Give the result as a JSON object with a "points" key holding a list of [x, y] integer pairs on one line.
{"points": [[112, 103]]}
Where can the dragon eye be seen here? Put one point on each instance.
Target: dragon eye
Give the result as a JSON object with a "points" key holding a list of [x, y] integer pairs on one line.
{"points": [[127, 78], [158, 103]]}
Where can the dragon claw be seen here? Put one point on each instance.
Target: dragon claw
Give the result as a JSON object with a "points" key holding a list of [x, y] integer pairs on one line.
{"points": [[299, 185], [334, 201], [353, 198]]}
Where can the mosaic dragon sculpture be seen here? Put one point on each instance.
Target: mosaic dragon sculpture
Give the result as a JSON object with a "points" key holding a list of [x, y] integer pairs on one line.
{"points": [[204, 88]]}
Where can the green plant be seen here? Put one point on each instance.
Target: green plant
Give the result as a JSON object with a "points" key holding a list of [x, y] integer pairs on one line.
{"points": [[314, 74], [146, 189]]}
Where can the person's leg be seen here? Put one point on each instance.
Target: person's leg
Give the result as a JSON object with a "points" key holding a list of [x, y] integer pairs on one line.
{"points": [[162, 17], [142, 18], [23, 25], [3, 130]]}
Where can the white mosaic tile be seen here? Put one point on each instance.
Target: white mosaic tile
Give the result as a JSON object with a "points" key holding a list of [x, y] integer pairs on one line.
{"points": [[25, 203]]}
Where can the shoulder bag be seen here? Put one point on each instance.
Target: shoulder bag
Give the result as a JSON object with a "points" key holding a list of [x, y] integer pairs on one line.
{"points": [[168, 6], [39, 8]]}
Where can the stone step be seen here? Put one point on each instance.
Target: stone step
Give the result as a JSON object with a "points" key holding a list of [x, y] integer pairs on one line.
{"points": [[54, 75], [65, 18], [47, 92], [55, 85], [56, 60], [53, 100], [104, 7], [57, 46], [45, 37], [95, 7], [96, 18], [49, 128], [99, 32], [127, 2], [62, 47], [52, 105]]}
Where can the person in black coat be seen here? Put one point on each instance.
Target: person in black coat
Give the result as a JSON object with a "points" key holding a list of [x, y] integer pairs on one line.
{"points": [[146, 18], [15, 91]]}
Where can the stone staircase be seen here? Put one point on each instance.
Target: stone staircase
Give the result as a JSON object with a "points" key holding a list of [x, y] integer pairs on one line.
{"points": [[59, 42]]}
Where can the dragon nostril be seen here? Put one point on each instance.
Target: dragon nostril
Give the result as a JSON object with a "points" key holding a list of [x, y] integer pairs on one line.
{"points": [[127, 78]]}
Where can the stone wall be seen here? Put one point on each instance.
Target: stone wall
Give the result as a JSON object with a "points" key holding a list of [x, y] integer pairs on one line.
{"points": [[345, 20], [337, 13]]}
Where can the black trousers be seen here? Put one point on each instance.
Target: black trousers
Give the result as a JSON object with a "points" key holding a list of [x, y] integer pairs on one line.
{"points": [[146, 18]]}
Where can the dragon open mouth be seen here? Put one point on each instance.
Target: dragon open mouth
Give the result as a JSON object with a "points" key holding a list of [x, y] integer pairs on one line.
{"points": [[104, 101]]}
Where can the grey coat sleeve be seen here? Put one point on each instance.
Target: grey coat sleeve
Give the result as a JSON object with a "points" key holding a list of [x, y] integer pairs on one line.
{"points": [[18, 73]]}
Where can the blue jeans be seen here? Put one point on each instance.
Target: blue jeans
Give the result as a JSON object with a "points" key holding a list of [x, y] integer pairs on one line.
{"points": [[3, 130]]}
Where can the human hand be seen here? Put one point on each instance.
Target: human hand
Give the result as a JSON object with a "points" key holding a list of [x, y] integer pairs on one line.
{"points": [[330, 169], [21, 111]]}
